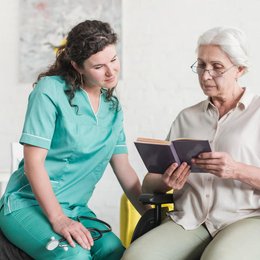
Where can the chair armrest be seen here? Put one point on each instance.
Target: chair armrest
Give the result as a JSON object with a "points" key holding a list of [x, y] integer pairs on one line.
{"points": [[152, 217], [156, 198]]}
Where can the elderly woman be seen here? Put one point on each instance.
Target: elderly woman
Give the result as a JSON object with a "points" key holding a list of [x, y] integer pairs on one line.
{"points": [[217, 212]]}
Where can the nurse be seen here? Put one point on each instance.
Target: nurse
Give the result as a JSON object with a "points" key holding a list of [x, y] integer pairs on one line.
{"points": [[73, 129]]}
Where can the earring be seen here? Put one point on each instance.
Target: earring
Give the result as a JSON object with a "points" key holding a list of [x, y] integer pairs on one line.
{"points": [[81, 80]]}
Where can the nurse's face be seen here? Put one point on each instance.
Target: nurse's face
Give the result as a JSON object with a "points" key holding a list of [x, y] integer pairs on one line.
{"points": [[102, 69]]}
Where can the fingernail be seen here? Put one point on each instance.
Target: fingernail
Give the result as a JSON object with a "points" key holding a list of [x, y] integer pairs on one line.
{"points": [[85, 246]]}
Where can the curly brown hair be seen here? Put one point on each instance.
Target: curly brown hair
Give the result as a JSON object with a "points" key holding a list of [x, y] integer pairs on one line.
{"points": [[84, 40]]}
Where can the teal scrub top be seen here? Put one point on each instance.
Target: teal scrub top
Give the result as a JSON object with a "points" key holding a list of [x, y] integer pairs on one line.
{"points": [[80, 144]]}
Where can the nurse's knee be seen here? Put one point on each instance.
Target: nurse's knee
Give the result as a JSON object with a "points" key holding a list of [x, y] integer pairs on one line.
{"points": [[110, 248]]}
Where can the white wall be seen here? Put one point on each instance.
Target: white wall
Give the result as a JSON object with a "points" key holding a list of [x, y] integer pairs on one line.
{"points": [[159, 39]]}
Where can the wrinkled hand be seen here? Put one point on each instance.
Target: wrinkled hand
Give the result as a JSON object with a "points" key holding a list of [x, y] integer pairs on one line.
{"points": [[73, 230], [218, 163], [175, 177]]}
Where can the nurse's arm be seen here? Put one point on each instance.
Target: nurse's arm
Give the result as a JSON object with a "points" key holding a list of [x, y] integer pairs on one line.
{"points": [[128, 180], [34, 158]]}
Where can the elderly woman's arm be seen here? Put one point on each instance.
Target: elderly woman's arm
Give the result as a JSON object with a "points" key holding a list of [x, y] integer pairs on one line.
{"points": [[248, 174], [173, 178], [224, 166]]}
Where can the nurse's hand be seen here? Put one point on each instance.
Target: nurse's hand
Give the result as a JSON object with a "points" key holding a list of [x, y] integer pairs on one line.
{"points": [[73, 230], [176, 176]]}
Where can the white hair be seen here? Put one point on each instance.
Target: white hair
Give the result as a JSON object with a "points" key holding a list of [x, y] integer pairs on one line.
{"points": [[230, 40]]}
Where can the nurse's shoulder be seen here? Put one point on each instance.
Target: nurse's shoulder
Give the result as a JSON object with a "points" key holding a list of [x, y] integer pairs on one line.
{"points": [[50, 87]]}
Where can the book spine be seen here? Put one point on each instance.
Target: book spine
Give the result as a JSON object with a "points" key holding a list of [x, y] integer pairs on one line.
{"points": [[175, 155]]}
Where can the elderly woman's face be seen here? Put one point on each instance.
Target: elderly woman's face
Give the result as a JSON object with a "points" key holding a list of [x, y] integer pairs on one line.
{"points": [[213, 61]]}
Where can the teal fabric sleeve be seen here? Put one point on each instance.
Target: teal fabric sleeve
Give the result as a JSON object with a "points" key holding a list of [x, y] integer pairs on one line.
{"points": [[121, 146], [41, 115]]}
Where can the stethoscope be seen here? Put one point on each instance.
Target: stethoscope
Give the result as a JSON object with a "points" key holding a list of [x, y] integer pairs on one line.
{"points": [[54, 243]]}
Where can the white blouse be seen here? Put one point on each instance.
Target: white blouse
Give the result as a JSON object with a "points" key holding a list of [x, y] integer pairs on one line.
{"points": [[206, 198]]}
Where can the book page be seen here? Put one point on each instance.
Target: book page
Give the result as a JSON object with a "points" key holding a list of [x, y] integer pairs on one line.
{"points": [[152, 141]]}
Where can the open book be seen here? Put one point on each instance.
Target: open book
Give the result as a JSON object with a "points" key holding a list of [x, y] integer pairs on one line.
{"points": [[158, 155]]}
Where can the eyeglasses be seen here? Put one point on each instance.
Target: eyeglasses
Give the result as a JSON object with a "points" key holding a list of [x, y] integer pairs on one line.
{"points": [[214, 73]]}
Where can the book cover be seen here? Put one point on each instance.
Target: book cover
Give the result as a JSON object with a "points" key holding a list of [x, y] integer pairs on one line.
{"points": [[158, 155]]}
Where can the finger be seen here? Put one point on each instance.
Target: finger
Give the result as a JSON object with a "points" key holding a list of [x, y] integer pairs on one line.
{"points": [[205, 161], [80, 238], [185, 173], [211, 155], [176, 177], [87, 236], [184, 179], [210, 167], [177, 173], [169, 171], [68, 237], [204, 155]]}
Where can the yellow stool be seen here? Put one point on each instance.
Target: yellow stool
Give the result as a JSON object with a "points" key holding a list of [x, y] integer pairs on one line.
{"points": [[129, 218]]}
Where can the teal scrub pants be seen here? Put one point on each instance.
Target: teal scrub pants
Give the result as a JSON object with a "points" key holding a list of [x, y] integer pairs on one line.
{"points": [[238, 241], [30, 230]]}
